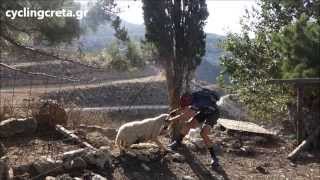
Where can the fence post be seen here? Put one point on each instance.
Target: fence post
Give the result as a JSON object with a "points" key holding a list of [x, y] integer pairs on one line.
{"points": [[300, 129]]}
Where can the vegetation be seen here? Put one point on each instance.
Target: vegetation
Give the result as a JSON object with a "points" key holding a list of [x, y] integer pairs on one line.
{"points": [[49, 31], [176, 30], [282, 40]]}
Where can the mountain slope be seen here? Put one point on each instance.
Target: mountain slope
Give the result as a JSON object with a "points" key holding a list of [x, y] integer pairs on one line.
{"points": [[104, 35]]}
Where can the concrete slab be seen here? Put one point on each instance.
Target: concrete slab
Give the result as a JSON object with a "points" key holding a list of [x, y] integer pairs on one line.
{"points": [[243, 126]]}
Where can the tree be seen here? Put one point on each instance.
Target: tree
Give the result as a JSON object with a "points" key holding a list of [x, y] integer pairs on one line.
{"points": [[51, 30], [24, 33], [279, 41], [175, 27]]}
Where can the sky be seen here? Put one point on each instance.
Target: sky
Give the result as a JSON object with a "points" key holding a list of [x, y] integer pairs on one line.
{"points": [[224, 15]]}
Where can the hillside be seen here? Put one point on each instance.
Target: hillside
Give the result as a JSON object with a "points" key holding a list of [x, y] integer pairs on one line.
{"points": [[207, 71]]}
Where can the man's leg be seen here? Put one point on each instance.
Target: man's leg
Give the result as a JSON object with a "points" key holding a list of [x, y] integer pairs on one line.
{"points": [[204, 134]]}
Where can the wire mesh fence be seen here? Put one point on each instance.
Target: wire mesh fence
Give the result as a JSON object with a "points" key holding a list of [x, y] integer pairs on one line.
{"points": [[25, 86]]}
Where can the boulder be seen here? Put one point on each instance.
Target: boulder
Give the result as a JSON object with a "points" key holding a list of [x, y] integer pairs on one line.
{"points": [[75, 164], [111, 133], [4, 169], [50, 178], [100, 158], [73, 154], [50, 114], [64, 177], [93, 176], [187, 178], [230, 108], [13, 126], [47, 166]]}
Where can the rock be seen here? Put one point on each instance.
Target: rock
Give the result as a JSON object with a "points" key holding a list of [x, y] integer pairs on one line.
{"points": [[261, 170], [21, 170], [98, 139], [93, 176], [100, 158], [187, 178], [64, 177], [75, 153], [4, 169], [247, 150], [47, 165], [230, 108], [50, 114], [76, 163], [50, 178], [13, 126], [110, 133]]}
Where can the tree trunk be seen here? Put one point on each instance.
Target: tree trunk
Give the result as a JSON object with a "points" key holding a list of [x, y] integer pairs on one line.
{"points": [[172, 84], [175, 82]]}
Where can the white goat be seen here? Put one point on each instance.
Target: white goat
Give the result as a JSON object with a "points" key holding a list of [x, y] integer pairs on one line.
{"points": [[142, 131]]}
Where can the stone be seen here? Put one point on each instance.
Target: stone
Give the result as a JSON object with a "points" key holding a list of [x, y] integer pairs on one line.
{"points": [[93, 176], [4, 169], [50, 178], [64, 177], [247, 150], [100, 158], [230, 108], [13, 126], [110, 133], [75, 153], [22, 169], [261, 170], [187, 178], [47, 165], [77, 163], [50, 114]]}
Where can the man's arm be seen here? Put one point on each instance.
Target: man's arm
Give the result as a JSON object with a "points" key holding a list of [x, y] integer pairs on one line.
{"points": [[184, 114]]}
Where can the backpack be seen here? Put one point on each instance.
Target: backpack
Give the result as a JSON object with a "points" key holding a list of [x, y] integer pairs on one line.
{"points": [[205, 98]]}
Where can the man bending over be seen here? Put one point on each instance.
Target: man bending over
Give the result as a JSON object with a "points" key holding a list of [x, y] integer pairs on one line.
{"points": [[197, 108]]}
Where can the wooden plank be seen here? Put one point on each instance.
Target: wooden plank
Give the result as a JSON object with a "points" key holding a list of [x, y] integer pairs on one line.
{"points": [[243, 126], [73, 137]]}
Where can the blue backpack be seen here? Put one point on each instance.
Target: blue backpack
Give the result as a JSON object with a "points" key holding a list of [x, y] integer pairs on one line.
{"points": [[205, 98]]}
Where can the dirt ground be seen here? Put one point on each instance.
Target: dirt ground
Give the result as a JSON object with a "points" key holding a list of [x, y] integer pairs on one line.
{"points": [[265, 159]]}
